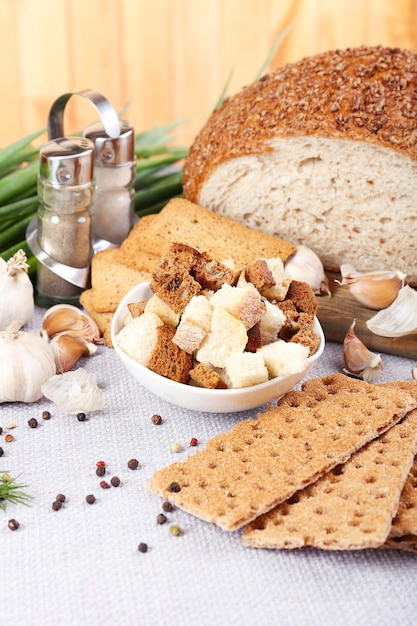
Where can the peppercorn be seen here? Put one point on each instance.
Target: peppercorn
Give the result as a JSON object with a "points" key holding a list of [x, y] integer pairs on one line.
{"points": [[101, 470], [174, 487], [13, 524], [1, 451], [81, 417], [60, 497], [46, 415], [115, 481], [161, 518], [8, 438], [101, 464], [167, 507], [90, 499], [133, 464], [1, 430], [5, 477], [176, 446], [175, 530], [56, 505], [156, 419], [193, 441], [104, 484], [143, 547], [33, 422]]}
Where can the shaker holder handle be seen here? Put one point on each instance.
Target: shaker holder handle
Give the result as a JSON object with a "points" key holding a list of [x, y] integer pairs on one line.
{"points": [[105, 110]]}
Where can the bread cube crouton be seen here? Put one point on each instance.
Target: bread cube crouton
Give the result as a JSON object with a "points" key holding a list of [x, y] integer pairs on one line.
{"points": [[283, 359], [271, 322], [259, 274], [179, 256], [227, 335], [167, 359], [194, 324], [246, 369], [137, 308], [160, 308], [204, 376], [212, 274], [303, 297], [282, 280], [138, 338], [254, 338], [244, 303], [178, 290]]}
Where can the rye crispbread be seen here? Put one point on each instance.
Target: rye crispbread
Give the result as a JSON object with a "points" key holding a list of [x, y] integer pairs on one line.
{"points": [[403, 533], [349, 508], [264, 461]]}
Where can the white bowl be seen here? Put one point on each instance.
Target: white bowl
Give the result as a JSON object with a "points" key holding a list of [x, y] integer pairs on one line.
{"points": [[198, 398]]}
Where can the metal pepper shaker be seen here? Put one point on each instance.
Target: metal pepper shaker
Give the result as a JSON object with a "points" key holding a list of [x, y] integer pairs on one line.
{"points": [[114, 174]]}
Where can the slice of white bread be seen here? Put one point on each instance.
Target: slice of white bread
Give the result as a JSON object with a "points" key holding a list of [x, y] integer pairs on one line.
{"points": [[323, 152]]}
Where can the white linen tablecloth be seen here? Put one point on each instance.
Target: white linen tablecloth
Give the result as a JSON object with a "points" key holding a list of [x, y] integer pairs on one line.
{"points": [[81, 565]]}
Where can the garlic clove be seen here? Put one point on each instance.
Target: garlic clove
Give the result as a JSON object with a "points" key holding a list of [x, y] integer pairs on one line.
{"points": [[67, 318], [358, 359], [414, 372], [68, 349], [399, 319], [74, 391], [375, 290], [304, 265]]}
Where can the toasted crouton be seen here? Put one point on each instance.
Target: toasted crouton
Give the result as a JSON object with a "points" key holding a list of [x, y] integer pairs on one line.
{"points": [[167, 359], [244, 303], [227, 335], [282, 280], [246, 369], [283, 359], [204, 376]]}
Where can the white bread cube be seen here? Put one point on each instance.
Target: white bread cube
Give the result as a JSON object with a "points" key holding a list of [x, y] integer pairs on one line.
{"points": [[227, 335], [194, 324], [244, 303], [283, 359], [271, 322], [138, 338], [156, 305], [282, 280], [246, 369]]}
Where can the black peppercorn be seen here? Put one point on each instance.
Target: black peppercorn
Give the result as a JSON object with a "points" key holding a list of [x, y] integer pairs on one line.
{"points": [[56, 505], [33, 422], [1, 451], [60, 497], [115, 481], [143, 547], [167, 507], [81, 417], [1, 430], [90, 499], [104, 484], [161, 519], [174, 487], [101, 470], [46, 415], [133, 464], [13, 524], [156, 419]]}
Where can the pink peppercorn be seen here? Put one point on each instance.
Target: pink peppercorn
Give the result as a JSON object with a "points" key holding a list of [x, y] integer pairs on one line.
{"points": [[193, 441]]}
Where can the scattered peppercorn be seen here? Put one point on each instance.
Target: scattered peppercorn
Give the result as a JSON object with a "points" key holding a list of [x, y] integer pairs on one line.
{"points": [[133, 464], [33, 422], [175, 530], [193, 441], [46, 415], [1, 430], [174, 487], [8, 437], [81, 417], [90, 499], [56, 505], [1, 451], [176, 446], [13, 524], [156, 419], [167, 507], [115, 481], [104, 484], [143, 547], [101, 470], [60, 497], [161, 519]]}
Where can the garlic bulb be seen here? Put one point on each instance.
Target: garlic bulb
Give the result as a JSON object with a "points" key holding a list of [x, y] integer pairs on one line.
{"points": [[358, 359], [26, 363], [67, 318], [398, 319], [68, 349], [375, 290], [304, 265], [74, 391], [16, 291]]}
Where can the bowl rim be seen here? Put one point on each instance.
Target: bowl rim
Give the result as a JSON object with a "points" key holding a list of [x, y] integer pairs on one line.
{"points": [[224, 393]]}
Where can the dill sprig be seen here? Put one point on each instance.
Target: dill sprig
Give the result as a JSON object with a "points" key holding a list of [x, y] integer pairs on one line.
{"points": [[11, 491]]}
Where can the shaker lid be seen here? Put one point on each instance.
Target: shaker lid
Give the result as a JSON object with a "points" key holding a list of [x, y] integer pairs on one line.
{"points": [[112, 150], [67, 161]]}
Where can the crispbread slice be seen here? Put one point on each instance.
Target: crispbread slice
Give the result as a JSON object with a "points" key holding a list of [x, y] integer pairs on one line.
{"points": [[181, 221], [403, 533], [349, 508], [264, 461]]}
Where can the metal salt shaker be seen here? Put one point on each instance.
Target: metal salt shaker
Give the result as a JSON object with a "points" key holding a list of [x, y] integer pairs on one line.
{"points": [[114, 173]]}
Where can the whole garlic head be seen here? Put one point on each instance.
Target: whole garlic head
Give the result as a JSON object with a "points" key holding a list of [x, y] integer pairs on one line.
{"points": [[304, 265]]}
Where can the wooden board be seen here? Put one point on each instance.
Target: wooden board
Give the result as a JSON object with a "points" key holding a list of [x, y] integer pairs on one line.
{"points": [[337, 313]]}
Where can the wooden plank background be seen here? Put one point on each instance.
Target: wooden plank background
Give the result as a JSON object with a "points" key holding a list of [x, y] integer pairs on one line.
{"points": [[169, 59]]}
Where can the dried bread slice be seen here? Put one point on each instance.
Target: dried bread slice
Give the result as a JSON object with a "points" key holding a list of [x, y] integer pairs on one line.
{"points": [[103, 320], [262, 462], [403, 533], [349, 508]]}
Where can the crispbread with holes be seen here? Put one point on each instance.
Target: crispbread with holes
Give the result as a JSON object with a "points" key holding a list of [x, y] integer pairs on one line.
{"points": [[403, 533], [264, 461], [349, 508]]}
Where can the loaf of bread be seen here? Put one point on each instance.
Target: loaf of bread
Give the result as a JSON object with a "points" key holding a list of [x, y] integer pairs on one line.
{"points": [[322, 152]]}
